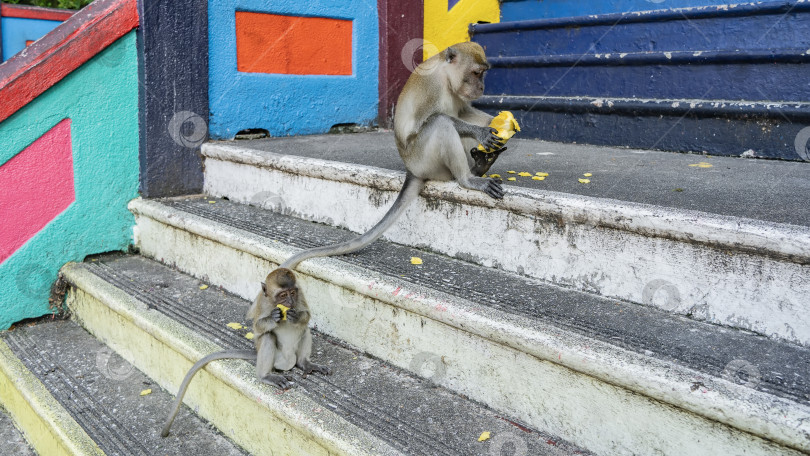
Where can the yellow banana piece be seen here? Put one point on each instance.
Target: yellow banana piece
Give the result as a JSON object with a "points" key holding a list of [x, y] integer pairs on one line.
{"points": [[284, 310], [506, 125]]}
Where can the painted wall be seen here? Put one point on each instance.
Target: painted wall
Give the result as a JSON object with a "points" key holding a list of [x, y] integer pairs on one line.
{"points": [[447, 22], [98, 105], [288, 100], [520, 10], [17, 31]]}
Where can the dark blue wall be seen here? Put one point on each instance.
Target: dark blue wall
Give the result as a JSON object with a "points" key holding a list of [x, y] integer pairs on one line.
{"points": [[516, 10], [659, 79]]}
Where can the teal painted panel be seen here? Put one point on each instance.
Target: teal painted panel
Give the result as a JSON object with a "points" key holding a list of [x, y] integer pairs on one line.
{"points": [[101, 99]]}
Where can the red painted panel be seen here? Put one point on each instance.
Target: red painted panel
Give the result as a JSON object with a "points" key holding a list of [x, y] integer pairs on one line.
{"points": [[35, 12], [27, 74], [272, 43], [37, 186]]}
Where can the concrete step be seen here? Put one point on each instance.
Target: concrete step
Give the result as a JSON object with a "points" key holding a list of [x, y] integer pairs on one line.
{"points": [[70, 394], [165, 321], [725, 242], [610, 376], [12, 438]]}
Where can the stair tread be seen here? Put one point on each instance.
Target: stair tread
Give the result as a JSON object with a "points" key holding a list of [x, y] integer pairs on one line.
{"points": [[708, 349], [13, 440], [102, 393], [411, 414], [763, 190]]}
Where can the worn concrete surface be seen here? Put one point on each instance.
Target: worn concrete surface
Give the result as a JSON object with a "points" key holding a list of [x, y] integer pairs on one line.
{"points": [[411, 414], [767, 190], [12, 441], [103, 393], [784, 367]]}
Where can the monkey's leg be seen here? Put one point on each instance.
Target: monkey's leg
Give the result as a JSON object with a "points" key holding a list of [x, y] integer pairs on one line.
{"points": [[265, 358], [303, 354], [438, 138]]}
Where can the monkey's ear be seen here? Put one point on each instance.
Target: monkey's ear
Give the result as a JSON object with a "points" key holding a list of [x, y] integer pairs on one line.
{"points": [[264, 288], [451, 55]]}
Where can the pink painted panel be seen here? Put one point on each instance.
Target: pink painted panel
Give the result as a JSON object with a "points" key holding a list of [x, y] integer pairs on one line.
{"points": [[36, 185]]}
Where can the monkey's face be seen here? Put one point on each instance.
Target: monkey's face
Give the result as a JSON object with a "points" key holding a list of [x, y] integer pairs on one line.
{"points": [[472, 86], [286, 296]]}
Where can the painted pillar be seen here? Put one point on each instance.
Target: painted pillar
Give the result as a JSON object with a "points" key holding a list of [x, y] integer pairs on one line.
{"points": [[447, 22], [401, 50], [173, 50]]}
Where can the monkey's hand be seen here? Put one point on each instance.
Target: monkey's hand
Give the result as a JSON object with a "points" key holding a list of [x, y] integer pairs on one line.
{"points": [[488, 137], [276, 315], [483, 160], [293, 316]]}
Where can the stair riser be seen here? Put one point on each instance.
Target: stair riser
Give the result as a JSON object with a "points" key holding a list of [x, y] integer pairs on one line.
{"points": [[558, 244], [238, 408], [772, 31], [602, 417], [656, 80], [666, 129]]}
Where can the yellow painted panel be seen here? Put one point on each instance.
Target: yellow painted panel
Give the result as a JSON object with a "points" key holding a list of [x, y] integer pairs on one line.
{"points": [[444, 28]]}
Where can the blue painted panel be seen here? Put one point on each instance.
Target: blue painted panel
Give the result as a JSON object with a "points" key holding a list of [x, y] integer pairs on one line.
{"points": [[700, 30], [291, 104], [538, 9], [16, 31]]}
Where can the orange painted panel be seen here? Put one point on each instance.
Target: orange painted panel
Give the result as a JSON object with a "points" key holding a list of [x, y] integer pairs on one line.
{"points": [[272, 43]]}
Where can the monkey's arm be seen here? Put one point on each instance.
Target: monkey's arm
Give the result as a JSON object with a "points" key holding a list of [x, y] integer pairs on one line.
{"points": [[485, 135], [475, 116], [225, 354]]}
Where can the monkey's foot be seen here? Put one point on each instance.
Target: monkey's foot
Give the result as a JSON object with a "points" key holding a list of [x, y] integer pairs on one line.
{"points": [[279, 381], [320, 369], [492, 187]]}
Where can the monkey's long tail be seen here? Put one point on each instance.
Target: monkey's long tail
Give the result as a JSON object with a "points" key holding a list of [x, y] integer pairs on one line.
{"points": [[225, 354], [410, 191]]}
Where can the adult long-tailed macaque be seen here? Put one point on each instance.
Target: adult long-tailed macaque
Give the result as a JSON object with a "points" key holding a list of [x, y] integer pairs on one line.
{"points": [[282, 341], [434, 126]]}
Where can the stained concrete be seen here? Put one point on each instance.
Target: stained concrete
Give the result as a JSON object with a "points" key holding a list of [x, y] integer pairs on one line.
{"points": [[412, 414], [769, 190], [12, 440], [784, 367], [102, 392]]}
